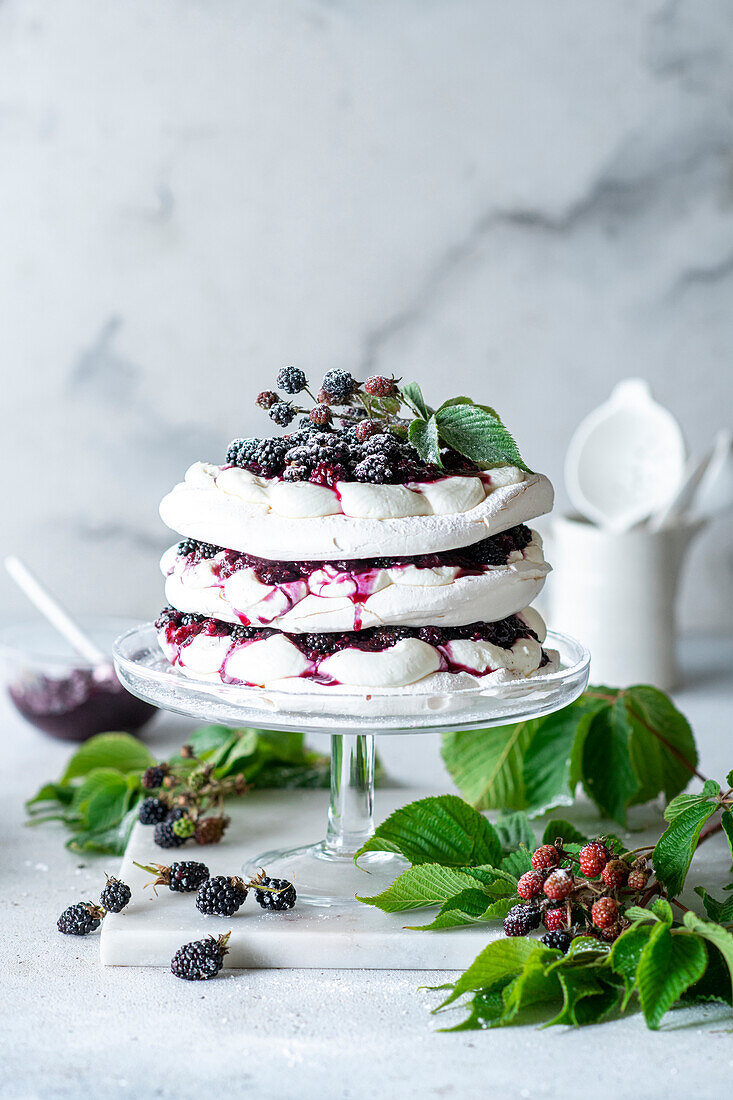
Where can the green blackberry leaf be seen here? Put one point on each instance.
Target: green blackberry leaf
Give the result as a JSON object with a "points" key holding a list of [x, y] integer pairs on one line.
{"points": [[514, 830], [487, 765], [487, 1008], [420, 887], [423, 434], [413, 395], [501, 960], [442, 829], [719, 911], [516, 863], [478, 435], [535, 984], [588, 993], [676, 846], [714, 935], [121, 751], [547, 768], [669, 963], [466, 907], [726, 820], [625, 956], [661, 745], [715, 984], [557, 827], [102, 799], [609, 776]]}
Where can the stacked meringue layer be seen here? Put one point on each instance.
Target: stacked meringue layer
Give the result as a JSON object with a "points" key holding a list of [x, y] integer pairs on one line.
{"points": [[394, 587]]}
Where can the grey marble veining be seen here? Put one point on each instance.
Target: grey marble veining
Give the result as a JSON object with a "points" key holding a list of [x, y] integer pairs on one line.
{"points": [[524, 202]]}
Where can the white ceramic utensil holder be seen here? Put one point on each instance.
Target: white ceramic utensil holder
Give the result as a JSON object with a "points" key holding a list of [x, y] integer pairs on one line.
{"points": [[618, 592]]}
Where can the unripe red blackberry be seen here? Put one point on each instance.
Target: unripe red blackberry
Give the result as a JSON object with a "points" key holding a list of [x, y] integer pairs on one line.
{"points": [[558, 885], [554, 919], [615, 873], [530, 885], [321, 415], [545, 857], [367, 428], [604, 912], [266, 399], [637, 880], [379, 386], [210, 830], [612, 933], [593, 858]]}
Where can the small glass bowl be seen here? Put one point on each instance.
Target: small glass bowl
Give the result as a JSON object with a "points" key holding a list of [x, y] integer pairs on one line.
{"points": [[57, 691]]}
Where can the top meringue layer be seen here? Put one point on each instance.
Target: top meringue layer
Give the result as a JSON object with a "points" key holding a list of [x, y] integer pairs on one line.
{"points": [[235, 508]]}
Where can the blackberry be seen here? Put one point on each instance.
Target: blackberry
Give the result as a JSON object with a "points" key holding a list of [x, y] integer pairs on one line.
{"points": [[182, 878], [242, 451], [201, 960], [269, 456], [375, 469], [615, 873], [604, 912], [555, 919], [296, 473], [152, 811], [165, 837], [221, 896], [199, 550], [328, 473], [385, 445], [153, 776], [266, 399], [338, 385], [291, 380], [637, 880], [276, 894], [559, 940], [521, 920], [367, 428], [184, 827], [282, 413], [379, 386], [80, 919], [545, 857], [433, 635], [115, 895], [320, 415], [210, 830], [176, 814], [593, 858]]}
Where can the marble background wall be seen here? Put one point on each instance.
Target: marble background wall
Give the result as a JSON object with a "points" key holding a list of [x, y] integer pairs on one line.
{"points": [[525, 202]]}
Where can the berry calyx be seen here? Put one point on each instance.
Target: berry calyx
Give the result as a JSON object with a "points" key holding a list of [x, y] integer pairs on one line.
{"points": [[291, 380], [558, 940], [545, 857], [554, 919], [558, 885], [604, 912], [593, 858], [201, 960], [266, 399], [615, 873], [221, 896], [115, 896], [521, 920], [530, 885], [379, 386], [80, 919], [152, 811]]}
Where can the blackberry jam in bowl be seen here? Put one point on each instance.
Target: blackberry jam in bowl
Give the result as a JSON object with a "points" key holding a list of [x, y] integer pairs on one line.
{"points": [[57, 691]]}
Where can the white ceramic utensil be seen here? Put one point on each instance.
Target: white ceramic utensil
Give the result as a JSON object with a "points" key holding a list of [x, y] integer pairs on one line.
{"points": [[715, 491], [626, 460]]}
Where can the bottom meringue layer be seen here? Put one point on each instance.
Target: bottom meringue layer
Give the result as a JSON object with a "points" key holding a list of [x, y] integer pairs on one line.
{"points": [[207, 649]]}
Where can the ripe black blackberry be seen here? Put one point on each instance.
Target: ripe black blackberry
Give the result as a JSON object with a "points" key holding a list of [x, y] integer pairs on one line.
{"points": [[115, 895], [291, 380], [269, 456], [296, 473], [266, 399], [375, 469], [221, 896], [521, 920], [386, 445], [275, 894], [152, 811], [559, 940], [198, 549], [241, 451], [282, 413], [201, 960], [165, 837], [182, 878], [338, 386], [153, 776], [80, 919]]}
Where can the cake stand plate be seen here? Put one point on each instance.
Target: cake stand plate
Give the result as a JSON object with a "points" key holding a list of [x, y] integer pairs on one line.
{"points": [[324, 873]]}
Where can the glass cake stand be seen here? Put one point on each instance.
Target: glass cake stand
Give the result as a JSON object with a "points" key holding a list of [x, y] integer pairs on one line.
{"points": [[324, 873]]}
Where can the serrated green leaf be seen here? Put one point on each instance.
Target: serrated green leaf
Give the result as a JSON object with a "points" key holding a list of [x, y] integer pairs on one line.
{"points": [[101, 800], [584, 949], [625, 955], [514, 830], [423, 434], [608, 774], [419, 887], [495, 881], [501, 960], [108, 750], [478, 435], [587, 993], [637, 913], [49, 792], [535, 984], [110, 841], [661, 744], [468, 907], [413, 394], [486, 765], [676, 846], [516, 863], [729, 779], [683, 801], [442, 829], [719, 911], [548, 761], [669, 963], [726, 820], [714, 935], [557, 827], [469, 401], [487, 1008], [715, 984], [661, 909]]}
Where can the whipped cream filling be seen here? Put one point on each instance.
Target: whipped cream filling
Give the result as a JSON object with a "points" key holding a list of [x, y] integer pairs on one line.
{"points": [[232, 507], [331, 599], [265, 662]]}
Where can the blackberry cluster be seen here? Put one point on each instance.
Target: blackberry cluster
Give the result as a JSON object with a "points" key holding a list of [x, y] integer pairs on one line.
{"points": [[221, 896], [242, 451], [282, 413], [115, 895], [80, 919], [201, 960]]}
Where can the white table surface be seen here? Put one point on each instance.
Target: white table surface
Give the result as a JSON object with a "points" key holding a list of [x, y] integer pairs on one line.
{"points": [[70, 1027]]}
